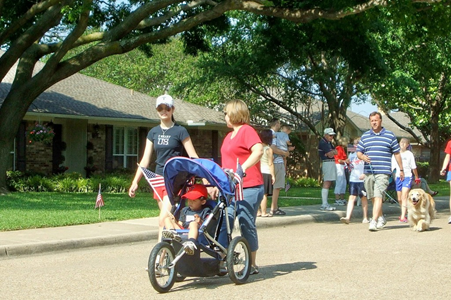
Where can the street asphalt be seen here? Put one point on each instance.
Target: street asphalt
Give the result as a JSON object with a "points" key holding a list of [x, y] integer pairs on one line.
{"points": [[42, 240]]}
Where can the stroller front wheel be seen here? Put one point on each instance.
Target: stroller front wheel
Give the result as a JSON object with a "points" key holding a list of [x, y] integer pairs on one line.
{"points": [[239, 260], [161, 275]]}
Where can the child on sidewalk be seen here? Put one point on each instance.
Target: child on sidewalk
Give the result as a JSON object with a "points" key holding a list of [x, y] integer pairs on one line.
{"points": [[403, 186], [191, 217], [283, 141], [356, 186]]}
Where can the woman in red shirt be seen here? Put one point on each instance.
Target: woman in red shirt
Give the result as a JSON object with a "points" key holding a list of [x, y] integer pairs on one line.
{"points": [[243, 145]]}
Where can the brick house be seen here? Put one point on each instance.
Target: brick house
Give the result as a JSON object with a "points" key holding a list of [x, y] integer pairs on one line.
{"points": [[100, 126]]}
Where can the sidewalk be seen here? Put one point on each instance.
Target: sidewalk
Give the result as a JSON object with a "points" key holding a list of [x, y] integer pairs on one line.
{"points": [[33, 241]]}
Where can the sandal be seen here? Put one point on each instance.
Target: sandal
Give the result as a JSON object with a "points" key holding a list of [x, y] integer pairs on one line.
{"points": [[266, 216]]}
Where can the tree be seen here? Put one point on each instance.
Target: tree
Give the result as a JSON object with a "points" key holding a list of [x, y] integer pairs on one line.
{"points": [[419, 84], [52, 29]]}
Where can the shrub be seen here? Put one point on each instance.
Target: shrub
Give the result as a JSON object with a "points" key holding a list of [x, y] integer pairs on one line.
{"points": [[304, 182], [423, 169]]}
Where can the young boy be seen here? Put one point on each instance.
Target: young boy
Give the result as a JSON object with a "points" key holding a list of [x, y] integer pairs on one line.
{"points": [[403, 187], [356, 187], [283, 141], [191, 217]]}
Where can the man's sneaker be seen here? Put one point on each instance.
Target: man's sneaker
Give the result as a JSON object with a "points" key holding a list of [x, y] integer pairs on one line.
{"points": [[171, 234], [381, 222], [328, 208], [189, 247], [373, 226], [449, 220], [344, 220]]}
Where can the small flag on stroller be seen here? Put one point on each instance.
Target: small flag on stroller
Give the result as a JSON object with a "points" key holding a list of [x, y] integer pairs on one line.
{"points": [[239, 174], [155, 181], [99, 200]]}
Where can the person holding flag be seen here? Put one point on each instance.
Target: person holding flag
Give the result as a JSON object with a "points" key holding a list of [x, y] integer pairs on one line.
{"points": [[241, 151], [166, 140]]}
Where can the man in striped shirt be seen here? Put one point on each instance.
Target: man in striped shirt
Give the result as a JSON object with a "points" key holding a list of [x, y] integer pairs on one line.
{"points": [[376, 148]]}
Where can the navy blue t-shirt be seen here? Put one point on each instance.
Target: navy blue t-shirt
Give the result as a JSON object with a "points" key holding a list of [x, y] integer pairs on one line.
{"points": [[167, 143]]}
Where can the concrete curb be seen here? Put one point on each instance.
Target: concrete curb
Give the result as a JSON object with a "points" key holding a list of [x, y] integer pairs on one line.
{"points": [[294, 216]]}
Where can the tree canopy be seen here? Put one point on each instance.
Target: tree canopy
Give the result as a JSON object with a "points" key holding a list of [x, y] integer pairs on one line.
{"points": [[54, 29]]}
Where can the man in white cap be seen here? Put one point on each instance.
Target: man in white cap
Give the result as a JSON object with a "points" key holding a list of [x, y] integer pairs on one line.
{"points": [[326, 154]]}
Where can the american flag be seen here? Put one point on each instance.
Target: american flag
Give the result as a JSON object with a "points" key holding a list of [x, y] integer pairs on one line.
{"points": [[155, 181], [239, 174], [99, 200]]}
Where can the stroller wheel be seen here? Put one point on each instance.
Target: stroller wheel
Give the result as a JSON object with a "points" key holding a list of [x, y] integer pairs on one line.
{"points": [[239, 260], [161, 276]]}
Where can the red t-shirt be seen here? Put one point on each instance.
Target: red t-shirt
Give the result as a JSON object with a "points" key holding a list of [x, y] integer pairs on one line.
{"points": [[239, 147], [448, 151], [341, 154]]}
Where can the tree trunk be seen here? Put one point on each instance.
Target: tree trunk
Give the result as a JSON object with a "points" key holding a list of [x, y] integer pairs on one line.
{"points": [[435, 147], [12, 112]]}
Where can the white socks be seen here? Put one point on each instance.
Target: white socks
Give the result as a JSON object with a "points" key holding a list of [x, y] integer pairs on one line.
{"points": [[324, 195]]}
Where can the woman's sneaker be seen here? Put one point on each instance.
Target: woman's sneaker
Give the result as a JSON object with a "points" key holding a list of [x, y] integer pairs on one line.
{"points": [[365, 221]]}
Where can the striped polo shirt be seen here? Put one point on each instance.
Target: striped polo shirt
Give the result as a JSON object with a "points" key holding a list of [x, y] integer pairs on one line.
{"points": [[379, 147]]}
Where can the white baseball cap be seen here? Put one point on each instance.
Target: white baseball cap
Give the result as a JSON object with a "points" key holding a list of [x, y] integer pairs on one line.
{"points": [[329, 131], [166, 100]]}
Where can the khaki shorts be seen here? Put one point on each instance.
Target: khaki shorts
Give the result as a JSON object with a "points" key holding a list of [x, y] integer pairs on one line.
{"points": [[376, 185], [279, 173], [329, 171]]}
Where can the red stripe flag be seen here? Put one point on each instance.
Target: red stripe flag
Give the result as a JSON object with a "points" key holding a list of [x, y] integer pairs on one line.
{"points": [[239, 174], [99, 200], [155, 181]]}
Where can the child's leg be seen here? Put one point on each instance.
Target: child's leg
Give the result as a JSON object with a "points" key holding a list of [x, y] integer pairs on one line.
{"points": [[193, 230], [405, 193], [350, 206], [364, 207]]}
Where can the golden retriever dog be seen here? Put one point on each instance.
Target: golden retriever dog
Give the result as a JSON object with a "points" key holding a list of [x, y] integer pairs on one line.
{"points": [[420, 209]]}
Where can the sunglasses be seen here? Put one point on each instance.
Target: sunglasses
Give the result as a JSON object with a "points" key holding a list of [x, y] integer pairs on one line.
{"points": [[163, 107]]}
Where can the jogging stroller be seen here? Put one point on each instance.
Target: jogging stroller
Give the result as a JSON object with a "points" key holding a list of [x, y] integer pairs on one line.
{"points": [[216, 249]]}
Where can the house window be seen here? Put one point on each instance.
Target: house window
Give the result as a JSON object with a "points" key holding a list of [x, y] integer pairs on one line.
{"points": [[125, 150]]}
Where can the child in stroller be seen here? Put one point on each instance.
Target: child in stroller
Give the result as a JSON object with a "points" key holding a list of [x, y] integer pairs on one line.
{"points": [[214, 248], [191, 217]]}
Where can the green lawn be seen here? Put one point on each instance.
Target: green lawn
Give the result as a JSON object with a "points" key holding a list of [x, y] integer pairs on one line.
{"points": [[37, 210]]}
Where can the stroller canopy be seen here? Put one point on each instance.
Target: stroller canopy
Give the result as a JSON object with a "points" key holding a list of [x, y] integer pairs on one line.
{"points": [[178, 170]]}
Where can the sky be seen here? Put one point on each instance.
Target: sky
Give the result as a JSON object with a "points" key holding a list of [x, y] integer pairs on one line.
{"points": [[363, 109]]}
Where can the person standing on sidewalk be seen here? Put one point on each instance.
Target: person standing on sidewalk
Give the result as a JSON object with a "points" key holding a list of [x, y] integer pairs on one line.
{"points": [[356, 188], [326, 153], [279, 169], [376, 148], [447, 168], [341, 161]]}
